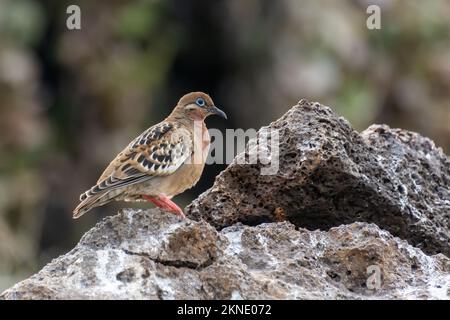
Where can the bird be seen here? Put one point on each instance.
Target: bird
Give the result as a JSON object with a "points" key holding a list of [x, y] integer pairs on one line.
{"points": [[164, 161]]}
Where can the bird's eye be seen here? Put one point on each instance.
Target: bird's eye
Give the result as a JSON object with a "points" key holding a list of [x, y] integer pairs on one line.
{"points": [[200, 102]]}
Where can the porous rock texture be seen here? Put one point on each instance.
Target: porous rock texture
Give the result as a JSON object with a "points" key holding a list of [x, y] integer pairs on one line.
{"points": [[153, 255], [329, 175], [346, 216]]}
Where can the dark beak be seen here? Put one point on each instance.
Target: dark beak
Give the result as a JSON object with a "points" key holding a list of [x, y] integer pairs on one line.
{"points": [[217, 111]]}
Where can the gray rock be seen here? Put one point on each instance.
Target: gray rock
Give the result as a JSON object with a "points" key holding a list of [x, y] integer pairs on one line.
{"points": [[347, 216], [329, 175], [153, 255]]}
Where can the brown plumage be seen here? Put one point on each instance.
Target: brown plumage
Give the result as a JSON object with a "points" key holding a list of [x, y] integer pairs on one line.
{"points": [[163, 161]]}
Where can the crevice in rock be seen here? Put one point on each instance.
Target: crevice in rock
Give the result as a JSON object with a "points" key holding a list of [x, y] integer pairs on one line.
{"points": [[175, 263]]}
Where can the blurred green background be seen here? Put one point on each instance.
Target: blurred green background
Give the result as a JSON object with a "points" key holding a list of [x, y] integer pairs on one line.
{"points": [[71, 100]]}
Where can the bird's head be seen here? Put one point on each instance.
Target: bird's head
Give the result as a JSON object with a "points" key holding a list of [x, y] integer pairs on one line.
{"points": [[198, 106]]}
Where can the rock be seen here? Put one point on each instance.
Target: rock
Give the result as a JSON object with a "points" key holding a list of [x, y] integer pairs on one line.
{"points": [[346, 216], [329, 175], [153, 255]]}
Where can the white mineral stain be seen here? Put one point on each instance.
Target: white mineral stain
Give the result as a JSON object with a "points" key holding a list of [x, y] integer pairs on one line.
{"points": [[236, 295], [234, 238]]}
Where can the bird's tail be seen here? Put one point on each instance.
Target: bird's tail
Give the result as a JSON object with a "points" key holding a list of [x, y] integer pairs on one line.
{"points": [[88, 202]]}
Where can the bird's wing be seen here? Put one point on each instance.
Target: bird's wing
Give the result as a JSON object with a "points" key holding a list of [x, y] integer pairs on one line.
{"points": [[158, 151]]}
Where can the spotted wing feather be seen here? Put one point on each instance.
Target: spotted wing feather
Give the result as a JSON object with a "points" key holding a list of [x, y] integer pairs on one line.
{"points": [[156, 152]]}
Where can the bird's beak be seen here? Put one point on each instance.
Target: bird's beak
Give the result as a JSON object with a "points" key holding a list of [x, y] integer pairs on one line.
{"points": [[217, 111]]}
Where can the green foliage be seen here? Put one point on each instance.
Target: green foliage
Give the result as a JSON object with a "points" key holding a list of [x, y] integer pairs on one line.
{"points": [[21, 22]]}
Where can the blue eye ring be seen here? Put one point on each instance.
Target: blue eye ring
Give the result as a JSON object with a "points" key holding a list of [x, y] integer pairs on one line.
{"points": [[200, 102]]}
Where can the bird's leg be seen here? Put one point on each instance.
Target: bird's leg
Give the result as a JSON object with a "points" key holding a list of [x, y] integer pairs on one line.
{"points": [[163, 202], [170, 205], [153, 200]]}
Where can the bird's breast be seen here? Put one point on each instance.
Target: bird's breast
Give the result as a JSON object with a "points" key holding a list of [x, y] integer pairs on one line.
{"points": [[206, 142], [201, 144]]}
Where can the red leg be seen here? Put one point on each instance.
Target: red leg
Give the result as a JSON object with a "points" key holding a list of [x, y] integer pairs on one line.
{"points": [[155, 201], [163, 202]]}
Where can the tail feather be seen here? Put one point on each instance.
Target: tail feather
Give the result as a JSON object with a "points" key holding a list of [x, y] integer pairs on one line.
{"points": [[89, 202]]}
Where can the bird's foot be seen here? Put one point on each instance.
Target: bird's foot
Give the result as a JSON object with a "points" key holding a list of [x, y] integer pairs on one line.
{"points": [[163, 202]]}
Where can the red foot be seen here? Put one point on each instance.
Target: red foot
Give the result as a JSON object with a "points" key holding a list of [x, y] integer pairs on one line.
{"points": [[163, 202]]}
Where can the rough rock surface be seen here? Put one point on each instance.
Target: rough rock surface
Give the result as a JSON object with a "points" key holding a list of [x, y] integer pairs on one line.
{"points": [[153, 255], [346, 216], [329, 175]]}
